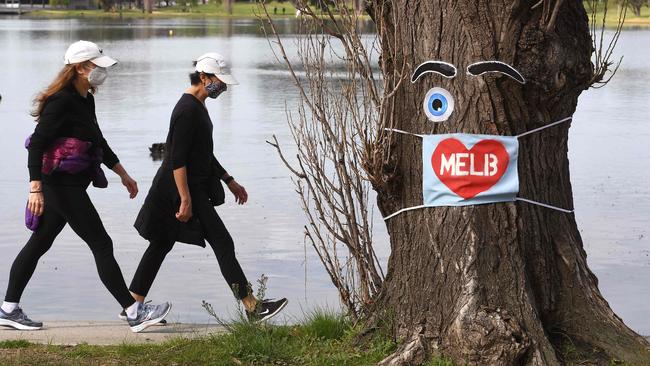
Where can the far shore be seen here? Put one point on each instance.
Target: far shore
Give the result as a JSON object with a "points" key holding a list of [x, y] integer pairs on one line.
{"points": [[239, 11], [275, 9]]}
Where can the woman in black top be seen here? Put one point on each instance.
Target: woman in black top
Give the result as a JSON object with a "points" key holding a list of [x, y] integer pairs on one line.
{"points": [[66, 109], [179, 206]]}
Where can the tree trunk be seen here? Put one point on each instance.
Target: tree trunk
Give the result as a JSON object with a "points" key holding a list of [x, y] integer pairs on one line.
{"points": [[148, 6], [228, 4], [505, 283]]}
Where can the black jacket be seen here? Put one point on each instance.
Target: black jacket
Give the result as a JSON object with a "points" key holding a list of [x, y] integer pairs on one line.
{"points": [[66, 114], [189, 143]]}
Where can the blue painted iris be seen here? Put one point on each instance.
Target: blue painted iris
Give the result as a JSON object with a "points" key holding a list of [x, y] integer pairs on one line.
{"points": [[438, 104]]}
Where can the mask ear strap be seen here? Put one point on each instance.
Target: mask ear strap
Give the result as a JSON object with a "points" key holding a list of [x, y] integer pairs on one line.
{"points": [[543, 205], [403, 132], [403, 210], [544, 127]]}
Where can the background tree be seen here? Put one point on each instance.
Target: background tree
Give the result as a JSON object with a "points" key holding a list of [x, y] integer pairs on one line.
{"points": [[108, 5], [504, 283], [635, 5]]}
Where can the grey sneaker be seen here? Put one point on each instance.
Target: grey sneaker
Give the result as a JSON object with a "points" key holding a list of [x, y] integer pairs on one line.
{"points": [[148, 315], [17, 319], [122, 316]]}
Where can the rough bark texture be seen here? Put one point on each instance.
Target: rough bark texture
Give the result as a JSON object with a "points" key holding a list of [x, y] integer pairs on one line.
{"points": [[496, 284]]}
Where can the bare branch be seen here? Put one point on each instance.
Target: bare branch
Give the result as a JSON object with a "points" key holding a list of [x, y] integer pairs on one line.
{"points": [[341, 142], [602, 58]]}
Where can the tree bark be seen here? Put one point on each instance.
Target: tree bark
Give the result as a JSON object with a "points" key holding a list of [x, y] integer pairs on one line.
{"points": [[505, 283], [148, 6]]}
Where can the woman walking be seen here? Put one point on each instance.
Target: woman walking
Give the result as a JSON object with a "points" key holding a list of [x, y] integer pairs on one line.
{"points": [[68, 146], [180, 203]]}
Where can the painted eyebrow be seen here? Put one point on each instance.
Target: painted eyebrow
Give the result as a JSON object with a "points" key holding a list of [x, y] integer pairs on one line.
{"points": [[443, 68], [479, 68]]}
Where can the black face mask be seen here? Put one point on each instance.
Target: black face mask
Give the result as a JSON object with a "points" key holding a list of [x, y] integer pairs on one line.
{"points": [[215, 89]]}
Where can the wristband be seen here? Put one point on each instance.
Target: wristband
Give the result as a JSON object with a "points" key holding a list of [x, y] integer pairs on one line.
{"points": [[229, 179], [35, 191]]}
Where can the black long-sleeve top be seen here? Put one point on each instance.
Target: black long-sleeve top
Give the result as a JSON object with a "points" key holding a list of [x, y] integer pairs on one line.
{"points": [[189, 142], [66, 114]]}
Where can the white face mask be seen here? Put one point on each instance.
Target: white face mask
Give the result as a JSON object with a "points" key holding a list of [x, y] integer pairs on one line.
{"points": [[97, 76]]}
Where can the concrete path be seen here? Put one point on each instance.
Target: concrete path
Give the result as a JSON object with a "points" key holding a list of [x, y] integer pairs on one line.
{"points": [[106, 332]]}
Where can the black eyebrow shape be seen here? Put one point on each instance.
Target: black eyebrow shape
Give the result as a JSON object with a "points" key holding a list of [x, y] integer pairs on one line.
{"points": [[445, 69], [479, 68]]}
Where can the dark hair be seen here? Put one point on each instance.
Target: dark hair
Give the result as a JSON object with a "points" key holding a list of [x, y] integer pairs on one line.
{"points": [[195, 77]]}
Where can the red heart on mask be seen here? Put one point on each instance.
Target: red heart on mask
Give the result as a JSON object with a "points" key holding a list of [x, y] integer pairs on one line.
{"points": [[469, 172]]}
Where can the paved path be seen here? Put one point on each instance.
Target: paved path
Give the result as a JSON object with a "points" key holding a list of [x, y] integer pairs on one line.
{"points": [[106, 332]]}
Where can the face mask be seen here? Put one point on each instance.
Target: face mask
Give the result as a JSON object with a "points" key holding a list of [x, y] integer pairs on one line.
{"points": [[215, 89], [97, 76], [462, 169]]}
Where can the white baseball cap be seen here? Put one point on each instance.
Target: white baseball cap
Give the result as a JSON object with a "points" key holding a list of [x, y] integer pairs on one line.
{"points": [[214, 63], [81, 51]]}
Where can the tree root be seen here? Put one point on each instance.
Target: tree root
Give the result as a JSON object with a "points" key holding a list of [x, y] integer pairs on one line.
{"points": [[490, 337], [412, 352]]}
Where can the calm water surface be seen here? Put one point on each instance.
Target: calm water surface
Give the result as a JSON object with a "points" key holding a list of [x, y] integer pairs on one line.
{"points": [[608, 151]]}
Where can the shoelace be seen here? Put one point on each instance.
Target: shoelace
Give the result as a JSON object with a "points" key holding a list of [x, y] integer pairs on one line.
{"points": [[21, 315], [149, 309]]}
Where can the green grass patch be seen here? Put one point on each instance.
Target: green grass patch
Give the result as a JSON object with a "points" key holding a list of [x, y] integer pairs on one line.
{"points": [[19, 343], [439, 362], [325, 324], [322, 338]]}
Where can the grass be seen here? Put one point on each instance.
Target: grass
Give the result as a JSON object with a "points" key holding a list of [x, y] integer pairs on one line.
{"points": [[322, 338], [439, 362], [14, 344]]}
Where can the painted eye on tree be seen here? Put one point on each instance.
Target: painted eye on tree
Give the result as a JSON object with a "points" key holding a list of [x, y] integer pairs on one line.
{"points": [[438, 104]]}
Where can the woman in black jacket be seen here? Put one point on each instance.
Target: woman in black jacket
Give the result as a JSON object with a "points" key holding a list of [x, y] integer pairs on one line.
{"points": [[180, 203], [66, 110]]}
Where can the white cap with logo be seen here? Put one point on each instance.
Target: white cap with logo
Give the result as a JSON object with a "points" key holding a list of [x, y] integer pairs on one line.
{"points": [[214, 63], [81, 51]]}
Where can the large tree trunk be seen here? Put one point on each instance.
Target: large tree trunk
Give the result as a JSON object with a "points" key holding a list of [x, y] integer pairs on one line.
{"points": [[504, 283]]}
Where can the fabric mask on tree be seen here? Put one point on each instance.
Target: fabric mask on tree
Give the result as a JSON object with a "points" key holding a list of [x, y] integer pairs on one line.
{"points": [[97, 76], [460, 169], [215, 89]]}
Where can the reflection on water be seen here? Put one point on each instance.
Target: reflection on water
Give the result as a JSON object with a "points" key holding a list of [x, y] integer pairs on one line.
{"points": [[608, 166]]}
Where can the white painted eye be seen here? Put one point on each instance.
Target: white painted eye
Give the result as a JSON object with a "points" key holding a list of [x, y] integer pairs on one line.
{"points": [[438, 104]]}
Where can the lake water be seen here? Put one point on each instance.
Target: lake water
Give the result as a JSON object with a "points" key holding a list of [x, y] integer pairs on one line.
{"points": [[608, 151]]}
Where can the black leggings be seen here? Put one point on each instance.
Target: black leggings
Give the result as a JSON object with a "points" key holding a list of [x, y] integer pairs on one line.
{"points": [[219, 239], [69, 204]]}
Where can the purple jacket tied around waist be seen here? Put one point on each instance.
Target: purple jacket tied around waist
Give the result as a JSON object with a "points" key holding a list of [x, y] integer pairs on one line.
{"points": [[69, 155]]}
